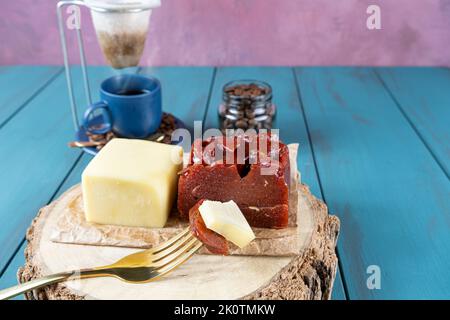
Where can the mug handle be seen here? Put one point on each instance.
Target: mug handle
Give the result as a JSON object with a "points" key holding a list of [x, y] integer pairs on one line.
{"points": [[107, 123]]}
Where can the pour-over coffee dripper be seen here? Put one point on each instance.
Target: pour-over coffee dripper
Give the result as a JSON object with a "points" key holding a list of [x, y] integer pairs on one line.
{"points": [[121, 27]]}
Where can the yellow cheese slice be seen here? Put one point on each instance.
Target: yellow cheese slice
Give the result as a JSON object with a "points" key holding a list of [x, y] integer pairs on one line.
{"points": [[226, 219], [131, 183]]}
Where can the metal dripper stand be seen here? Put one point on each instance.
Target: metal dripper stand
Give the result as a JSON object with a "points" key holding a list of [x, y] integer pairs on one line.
{"points": [[121, 27]]}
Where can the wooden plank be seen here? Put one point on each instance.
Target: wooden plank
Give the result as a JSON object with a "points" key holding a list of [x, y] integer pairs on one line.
{"points": [[184, 90], [187, 102], [9, 277], [35, 157], [338, 288], [423, 94], [376, 174], [18, 85], [289, 119]]}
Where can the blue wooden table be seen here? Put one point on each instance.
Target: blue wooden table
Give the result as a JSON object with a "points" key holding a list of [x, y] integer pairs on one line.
{"points": [[375, 145]]}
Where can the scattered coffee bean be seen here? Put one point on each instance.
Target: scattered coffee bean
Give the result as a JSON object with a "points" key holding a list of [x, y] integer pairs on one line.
{"points": [[241, 124], [168, 125]]}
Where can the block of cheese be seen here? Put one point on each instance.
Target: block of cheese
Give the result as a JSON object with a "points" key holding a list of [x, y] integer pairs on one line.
{"points": [[226, 219], [131, 183]]}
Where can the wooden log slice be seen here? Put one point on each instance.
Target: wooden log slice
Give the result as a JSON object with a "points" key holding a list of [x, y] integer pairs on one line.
{"points": [[310, 275]]}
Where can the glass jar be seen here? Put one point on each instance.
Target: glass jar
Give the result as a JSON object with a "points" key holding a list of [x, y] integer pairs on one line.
{"points": [[246, 104]]}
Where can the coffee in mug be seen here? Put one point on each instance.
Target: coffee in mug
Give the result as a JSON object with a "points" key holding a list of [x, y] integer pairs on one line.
{"points": [[130, 107]]}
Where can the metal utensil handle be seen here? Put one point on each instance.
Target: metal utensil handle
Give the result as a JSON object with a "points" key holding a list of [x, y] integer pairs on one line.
{"points": [[54, 278], [34, 284]]}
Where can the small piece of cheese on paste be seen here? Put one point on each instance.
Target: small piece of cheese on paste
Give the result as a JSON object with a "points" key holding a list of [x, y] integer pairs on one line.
{"points": [[131, 183], [226, 219]]}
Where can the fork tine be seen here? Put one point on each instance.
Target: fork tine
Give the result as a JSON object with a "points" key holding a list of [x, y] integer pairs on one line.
{"points": [[169, 242], [162, 253], [155, 253], [173, 254], [178, 261]]}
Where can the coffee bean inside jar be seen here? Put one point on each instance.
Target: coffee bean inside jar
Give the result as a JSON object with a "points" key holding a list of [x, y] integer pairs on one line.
{"points": [[247, 104]]}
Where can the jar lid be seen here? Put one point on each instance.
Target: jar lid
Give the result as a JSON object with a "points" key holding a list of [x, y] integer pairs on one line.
{"points": [[122, 5]]}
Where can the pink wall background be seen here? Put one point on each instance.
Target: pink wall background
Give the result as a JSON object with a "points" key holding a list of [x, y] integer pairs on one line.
{"points": [[250, 32]]}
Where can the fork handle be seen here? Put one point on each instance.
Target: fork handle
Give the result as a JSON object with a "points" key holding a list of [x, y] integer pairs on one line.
{"points": [[48, 280], [34, 284]]}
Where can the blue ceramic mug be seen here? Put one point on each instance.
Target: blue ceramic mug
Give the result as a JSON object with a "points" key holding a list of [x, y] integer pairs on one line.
{"points": [[130, 106]]}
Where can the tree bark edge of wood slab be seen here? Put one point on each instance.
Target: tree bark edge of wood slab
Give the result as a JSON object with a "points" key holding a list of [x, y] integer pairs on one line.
{"points": [[309, 276]]}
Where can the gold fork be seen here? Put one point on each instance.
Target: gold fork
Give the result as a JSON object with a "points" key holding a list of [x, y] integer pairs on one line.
{"points": [[139, 267]]}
